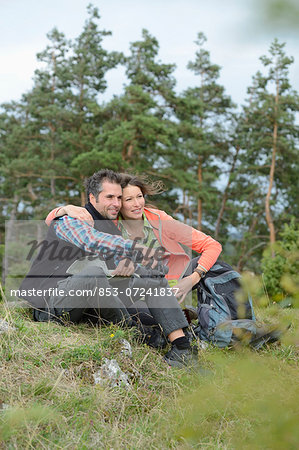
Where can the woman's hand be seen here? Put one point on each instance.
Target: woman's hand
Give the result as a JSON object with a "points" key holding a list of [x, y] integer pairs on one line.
{"points": [[182, 288], [76, 212], [185, 285]]}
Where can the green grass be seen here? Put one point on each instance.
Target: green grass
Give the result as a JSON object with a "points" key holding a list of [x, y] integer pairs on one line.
{"points": [[242, 399]]}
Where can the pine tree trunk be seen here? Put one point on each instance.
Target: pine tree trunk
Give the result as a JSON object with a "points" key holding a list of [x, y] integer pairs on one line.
{"points": [[243, 253], [32, 194], [185, 205], [10, 229], [52, 158], [130, 152], [225, 194], [53, 187], [52, 128], [269, 218], [199, 201], [83, 198]]}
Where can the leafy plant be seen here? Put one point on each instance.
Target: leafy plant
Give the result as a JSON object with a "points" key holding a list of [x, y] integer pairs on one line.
{"points": [[280, 273]]}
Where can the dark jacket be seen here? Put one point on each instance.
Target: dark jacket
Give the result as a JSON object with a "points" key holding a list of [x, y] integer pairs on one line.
{"points": [[55, 257]]}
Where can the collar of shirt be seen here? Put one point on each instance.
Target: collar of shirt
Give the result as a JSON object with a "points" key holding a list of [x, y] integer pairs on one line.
{"points": [[149, 235]]}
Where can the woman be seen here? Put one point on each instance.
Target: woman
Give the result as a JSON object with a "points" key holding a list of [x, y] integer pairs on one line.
{"points": [[155, 228]]}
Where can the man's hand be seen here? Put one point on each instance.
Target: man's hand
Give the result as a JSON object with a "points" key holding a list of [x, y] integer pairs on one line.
{"points": [[182, 288], [76, 212], [125, 268]]}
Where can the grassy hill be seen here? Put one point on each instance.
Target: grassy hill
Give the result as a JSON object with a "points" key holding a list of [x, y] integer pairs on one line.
{"points": [[235, 399]]}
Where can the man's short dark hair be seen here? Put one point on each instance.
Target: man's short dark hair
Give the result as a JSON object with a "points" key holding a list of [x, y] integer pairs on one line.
{"points": [[94, 184]]}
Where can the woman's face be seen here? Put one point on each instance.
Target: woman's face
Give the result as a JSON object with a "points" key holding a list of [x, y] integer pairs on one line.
{"points": [[132, 203]]}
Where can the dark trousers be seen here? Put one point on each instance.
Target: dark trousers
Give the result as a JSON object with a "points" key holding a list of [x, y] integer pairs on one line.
{"points": [[89, 291]]}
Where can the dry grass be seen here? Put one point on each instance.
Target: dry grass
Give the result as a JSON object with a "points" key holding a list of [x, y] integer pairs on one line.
{"points": [[46, 381]]}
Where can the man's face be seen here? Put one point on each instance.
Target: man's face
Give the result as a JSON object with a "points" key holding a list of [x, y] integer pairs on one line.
{"points": [[108, 202]]}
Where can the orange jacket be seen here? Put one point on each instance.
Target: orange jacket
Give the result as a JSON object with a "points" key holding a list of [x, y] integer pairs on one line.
{"points": [[171, 233]]}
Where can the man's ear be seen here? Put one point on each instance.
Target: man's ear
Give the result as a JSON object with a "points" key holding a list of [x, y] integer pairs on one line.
{"points": [[92, 198]]}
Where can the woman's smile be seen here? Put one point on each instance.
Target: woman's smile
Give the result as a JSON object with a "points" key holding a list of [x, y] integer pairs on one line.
{"points": [[132, 203]]}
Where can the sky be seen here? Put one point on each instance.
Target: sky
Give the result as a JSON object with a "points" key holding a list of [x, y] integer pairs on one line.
{"points": [[236, 38]]}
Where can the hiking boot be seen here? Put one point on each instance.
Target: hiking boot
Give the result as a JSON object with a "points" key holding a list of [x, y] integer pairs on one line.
{"points": [[154, 337], [177, 357], [151, 336]]}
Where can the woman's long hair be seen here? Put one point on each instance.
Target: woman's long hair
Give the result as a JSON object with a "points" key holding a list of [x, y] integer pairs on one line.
{"points": [[146, 186]]}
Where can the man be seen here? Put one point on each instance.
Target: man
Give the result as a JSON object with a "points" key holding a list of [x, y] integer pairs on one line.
{"points": [[61, 282]]}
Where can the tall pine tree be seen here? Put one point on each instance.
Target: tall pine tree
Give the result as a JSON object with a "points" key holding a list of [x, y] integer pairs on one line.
{"points": [[139, 130], [203, 112], [269, 141]]}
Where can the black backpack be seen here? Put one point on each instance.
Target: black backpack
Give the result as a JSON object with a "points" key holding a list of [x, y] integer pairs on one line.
{"points": [[221, 317]]}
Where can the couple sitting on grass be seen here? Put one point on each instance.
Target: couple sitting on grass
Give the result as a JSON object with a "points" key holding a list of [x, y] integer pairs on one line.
{"points": [[118, 261]]}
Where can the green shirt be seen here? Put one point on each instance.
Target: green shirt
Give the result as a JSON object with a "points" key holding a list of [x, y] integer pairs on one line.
{"points": [[149, 239]]}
